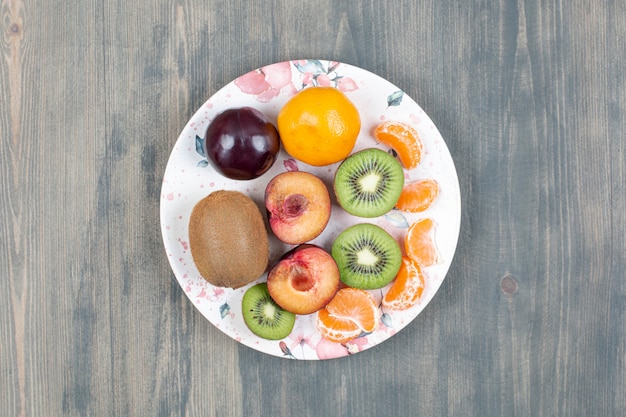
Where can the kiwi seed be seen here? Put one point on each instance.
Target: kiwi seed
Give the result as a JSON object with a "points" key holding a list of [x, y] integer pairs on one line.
{"points": [[367, 256], [368, 183], [263, 316]]}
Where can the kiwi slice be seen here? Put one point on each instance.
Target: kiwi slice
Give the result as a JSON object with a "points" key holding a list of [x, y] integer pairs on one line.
{"points": [[367, 256], [368, 183], [263, 316]]}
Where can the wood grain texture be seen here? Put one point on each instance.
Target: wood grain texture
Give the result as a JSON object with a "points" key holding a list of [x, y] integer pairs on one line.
{"points": [[530, 97]]}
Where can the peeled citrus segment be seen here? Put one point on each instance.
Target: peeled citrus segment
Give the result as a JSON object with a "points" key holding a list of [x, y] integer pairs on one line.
{"points": [[407, 288], [350, 313], [418, 196], [356, 305], [402, 138], [420, 244], [334, 328]]}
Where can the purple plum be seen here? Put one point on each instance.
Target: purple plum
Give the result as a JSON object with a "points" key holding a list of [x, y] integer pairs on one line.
{"points": [[242, 143]]}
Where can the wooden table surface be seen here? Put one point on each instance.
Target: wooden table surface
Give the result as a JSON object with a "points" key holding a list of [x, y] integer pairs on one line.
{"points": [[530, 97]]}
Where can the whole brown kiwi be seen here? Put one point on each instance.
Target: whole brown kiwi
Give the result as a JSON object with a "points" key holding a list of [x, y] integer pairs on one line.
{"points": [[228, 239]]}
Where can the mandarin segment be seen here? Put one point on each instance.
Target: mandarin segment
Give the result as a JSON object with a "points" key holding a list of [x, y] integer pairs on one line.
{"points": [[351, 312], [404, 139], [417, 196], [419, 243], [334, 328], [407, 288], [356, 305]]}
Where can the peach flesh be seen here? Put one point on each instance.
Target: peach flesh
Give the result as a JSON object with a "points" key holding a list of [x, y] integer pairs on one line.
{"points": [[304, 280], [298, 206], [300, 280], [295, 205]]}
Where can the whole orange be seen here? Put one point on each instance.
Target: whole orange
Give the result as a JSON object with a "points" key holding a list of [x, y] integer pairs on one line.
{"points": [[319, 126]]}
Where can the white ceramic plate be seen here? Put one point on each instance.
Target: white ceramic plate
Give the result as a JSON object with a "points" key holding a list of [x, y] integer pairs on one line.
{"points": [[188, 178]]}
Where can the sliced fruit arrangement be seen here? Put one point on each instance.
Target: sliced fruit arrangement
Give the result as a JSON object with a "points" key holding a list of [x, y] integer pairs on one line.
{"points": [[368, 183], [351, 312], [368, 257], [402, 138], [318, 126], [263, 316]]}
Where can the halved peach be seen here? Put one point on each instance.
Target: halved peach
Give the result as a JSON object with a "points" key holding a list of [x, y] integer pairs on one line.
{"points": [[304, 280], [298, 206]]}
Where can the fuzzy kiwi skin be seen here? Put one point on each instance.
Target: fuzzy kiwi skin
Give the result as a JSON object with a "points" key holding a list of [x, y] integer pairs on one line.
{"points": [[228, 239]]}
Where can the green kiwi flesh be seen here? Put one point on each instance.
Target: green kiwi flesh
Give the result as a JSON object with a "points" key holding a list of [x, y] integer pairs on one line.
{"points": [[368, 183], [263, 316], [367, 256]]}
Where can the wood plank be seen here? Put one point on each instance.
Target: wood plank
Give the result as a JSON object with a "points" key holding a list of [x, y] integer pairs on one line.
{"points": [[530, 98], [49, 160]]}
